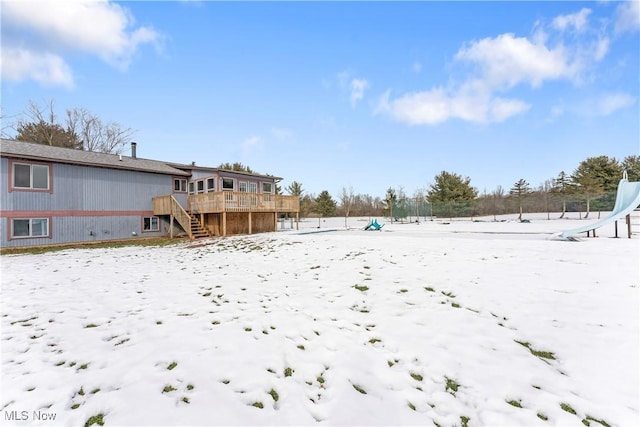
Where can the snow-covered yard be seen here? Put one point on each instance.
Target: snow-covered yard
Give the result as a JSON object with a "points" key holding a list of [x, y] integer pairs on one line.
{"points": [[460, 323]]}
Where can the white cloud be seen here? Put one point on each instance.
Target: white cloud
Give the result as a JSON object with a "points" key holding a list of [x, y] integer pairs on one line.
{"points": [[627, 17], [613, 102], [48, 30], [251, 145], [358, 87], [506, 61], [281, 133], [602, 47], [439, 105], [576, 20], [45, 68]]}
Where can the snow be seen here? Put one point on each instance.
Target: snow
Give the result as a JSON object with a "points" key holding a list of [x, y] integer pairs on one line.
{"points": [[398, 314]]}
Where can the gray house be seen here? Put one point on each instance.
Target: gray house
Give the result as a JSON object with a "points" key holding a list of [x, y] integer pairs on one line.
{"points": [[53, 195]]}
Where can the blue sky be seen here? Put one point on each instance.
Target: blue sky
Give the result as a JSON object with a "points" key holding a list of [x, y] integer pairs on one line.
{"points": [[333, 94]]}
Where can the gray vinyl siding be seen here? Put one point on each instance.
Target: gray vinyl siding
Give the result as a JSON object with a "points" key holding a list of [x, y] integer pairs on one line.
{"points": [[87, 229], [91, 194]]}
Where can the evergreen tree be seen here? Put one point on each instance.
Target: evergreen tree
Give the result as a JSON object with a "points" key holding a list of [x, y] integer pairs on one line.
{"points": [[632, 165], [451, 187], [47, 134], [562, 187], [325, 205], [520, 191], [389, 200], [596, 175], [235, 167], [295, 189]]}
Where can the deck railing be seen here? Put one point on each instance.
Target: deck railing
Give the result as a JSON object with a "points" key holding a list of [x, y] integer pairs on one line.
{"points": [[168, 205], [231, 201]]}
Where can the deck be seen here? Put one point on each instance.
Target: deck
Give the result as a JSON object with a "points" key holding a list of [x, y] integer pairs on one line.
{"points": [[227, 212]]}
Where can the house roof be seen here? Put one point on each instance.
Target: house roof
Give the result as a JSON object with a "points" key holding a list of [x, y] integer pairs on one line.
{"points": [[31, 151], [193, 167]]}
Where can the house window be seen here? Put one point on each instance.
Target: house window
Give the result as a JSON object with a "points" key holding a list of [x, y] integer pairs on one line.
{"points": [[211, 184], [179, 185], [30, 227], [30, 176], [242, 185], [191, 188], [200, 185], [150, 223], [228, 184], [267, 187]]}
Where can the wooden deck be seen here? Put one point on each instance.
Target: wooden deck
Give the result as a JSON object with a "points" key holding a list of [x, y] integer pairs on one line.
{"points": [[224, 212]]}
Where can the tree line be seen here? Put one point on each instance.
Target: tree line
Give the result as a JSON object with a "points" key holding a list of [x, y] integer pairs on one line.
{"points": [[591, 186]]}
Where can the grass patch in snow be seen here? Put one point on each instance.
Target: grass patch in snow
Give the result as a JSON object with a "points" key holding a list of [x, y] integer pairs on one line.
{"points": [[91, 325], [168, 389], [595, 420], [75, 406], [172, 365], [429, 289], [538, 353], [464, 420], [300, 346], [361, 288], [95, 419], [567, 408], [359, 389], [451, 386], [412, 406], [288, 372], [274, 395], [257, 405], [374, 340], [190, 387], [542, 416], [515, 403], [415, 376], [320, 379]]}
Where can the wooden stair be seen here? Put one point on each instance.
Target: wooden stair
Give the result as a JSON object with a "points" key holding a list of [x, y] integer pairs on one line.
{"points": [[197, 229]]}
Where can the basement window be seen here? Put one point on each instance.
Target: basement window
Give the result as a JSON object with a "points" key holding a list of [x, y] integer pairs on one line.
{"points": [[150, 223], [29, 227]]}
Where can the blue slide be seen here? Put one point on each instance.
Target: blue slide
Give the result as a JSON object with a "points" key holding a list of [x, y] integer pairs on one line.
{"points": [[627, 199]]}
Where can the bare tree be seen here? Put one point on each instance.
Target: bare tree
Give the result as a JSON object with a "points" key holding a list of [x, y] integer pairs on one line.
{"points": [[498, 199], [346, 200], [97, 136]]}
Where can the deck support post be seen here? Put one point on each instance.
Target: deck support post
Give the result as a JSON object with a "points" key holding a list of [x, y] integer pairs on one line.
{"points": [[616, 224], [297, 220], [224, 224], [250, 222], [171, 225], [628, 218]]}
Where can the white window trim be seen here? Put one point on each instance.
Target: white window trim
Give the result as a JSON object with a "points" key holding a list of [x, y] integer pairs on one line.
{"points": [[222, 184], [198, 183], [267, 192], [213, 185], [183, 185], [30, 236]]}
